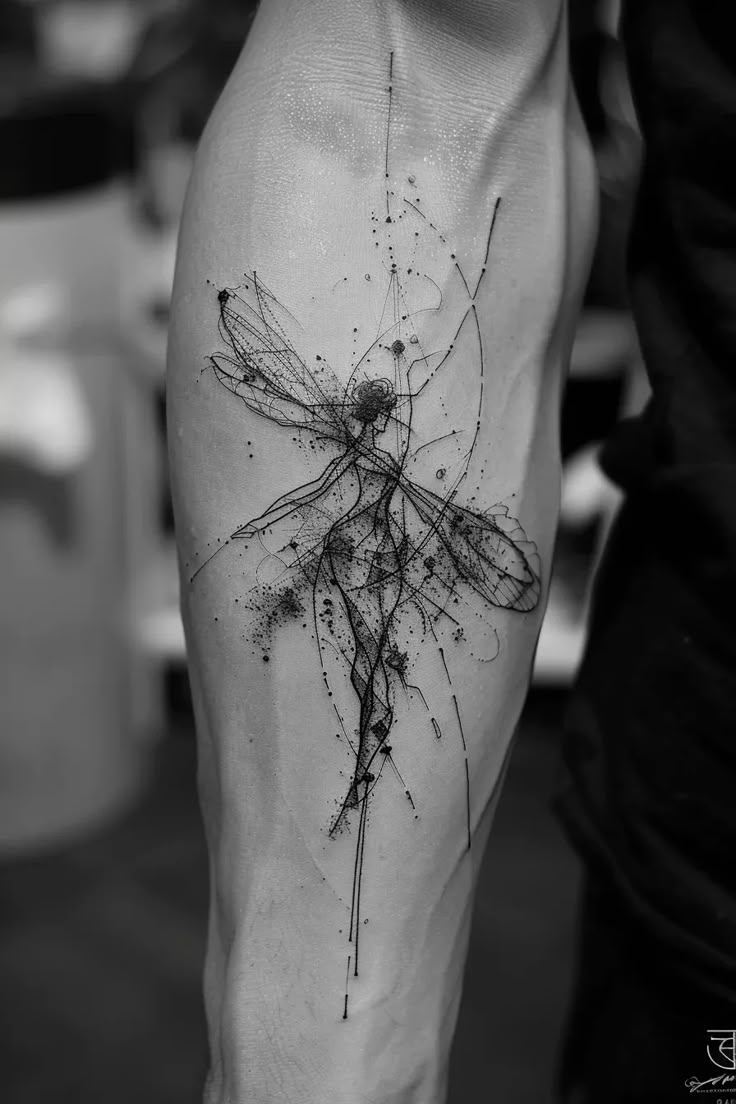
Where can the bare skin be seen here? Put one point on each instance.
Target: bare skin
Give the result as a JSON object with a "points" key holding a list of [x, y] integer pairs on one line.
{"points": [[418, 668]]}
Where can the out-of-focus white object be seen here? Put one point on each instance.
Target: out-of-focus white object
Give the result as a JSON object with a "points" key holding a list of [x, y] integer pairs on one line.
{"points": [[605, 345], [45, 419], [92, 40], [561, 642], [69, 759], [587, 493], [588, 498]]}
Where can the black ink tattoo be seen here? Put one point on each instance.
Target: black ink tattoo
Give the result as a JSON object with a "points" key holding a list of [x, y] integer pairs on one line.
{"points": [[379, 566]]}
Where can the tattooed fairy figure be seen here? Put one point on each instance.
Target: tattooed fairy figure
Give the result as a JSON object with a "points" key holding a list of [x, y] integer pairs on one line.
{"points": [[378, 556]]}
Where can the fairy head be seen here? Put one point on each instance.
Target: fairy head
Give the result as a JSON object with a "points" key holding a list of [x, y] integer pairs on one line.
{"points": [[373, 401]]}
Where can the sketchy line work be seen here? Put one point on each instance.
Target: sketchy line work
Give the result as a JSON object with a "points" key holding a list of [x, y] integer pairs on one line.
{"points": [[378, 564]]}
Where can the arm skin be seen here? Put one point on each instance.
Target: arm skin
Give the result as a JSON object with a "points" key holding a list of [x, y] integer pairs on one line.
{"points": [[290, 174]]}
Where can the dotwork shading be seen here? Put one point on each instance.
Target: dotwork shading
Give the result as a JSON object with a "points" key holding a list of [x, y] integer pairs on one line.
{"points": [[379, 565]]}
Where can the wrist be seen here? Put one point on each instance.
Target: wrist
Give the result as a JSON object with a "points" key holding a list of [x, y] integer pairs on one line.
{"points": [[280, 1032]]}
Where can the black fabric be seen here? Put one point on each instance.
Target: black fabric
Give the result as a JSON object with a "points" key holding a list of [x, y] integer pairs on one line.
{"points": [[632, 1038], [56, 136], [650, 799]]}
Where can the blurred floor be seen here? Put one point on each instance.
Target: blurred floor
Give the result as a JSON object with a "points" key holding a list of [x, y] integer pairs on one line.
{"points": [[101, 947]]}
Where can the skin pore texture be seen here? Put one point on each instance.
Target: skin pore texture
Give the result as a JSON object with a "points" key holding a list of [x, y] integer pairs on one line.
{"points": [[381, 261]]}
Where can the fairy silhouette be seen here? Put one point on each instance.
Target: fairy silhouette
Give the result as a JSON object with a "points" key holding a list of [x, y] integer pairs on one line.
{"points": [[372, 546]]}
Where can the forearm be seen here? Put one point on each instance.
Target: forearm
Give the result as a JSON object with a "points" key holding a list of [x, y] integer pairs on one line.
{"points": [[364, 161]]}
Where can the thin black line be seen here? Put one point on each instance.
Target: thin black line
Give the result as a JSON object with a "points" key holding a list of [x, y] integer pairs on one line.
{"points": [[379, 332], [481, 378], [361, 832], [209, 560], [344, 730], [347, 977], [460, 723], [411, 686], [467, 797], [388, 128], [467, 770], [449, 350], [444, 241], [355, 882], [436, 441], [488, 245]]}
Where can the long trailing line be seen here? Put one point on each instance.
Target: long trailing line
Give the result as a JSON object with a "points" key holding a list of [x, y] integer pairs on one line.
{"points": [[388, 129]]}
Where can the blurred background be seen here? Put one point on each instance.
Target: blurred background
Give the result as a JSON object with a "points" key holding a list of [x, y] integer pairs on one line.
{"points": [[103, 881]]}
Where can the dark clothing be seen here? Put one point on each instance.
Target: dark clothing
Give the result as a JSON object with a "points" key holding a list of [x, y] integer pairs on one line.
{"points": [[651, 743]]}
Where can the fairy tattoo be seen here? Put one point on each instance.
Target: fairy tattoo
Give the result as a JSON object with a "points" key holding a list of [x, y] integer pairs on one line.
{"points": [[381, 565]]}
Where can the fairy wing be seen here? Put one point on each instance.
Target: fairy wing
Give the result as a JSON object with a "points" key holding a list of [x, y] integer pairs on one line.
{"points": [[296, 526], [261, 366], [456, 547]]}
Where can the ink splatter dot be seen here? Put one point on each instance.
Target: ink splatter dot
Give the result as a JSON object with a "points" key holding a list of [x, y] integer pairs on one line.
{"points": [[441, 473]]}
